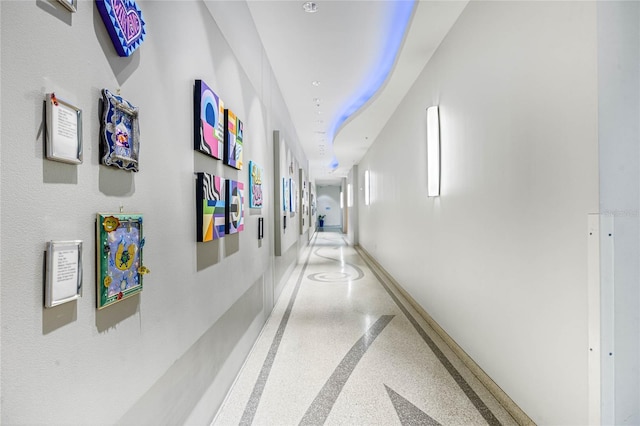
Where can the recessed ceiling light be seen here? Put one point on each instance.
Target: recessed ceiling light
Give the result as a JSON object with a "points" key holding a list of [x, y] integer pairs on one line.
{"points": [[316, 100], [315, 83], [310, 7]]}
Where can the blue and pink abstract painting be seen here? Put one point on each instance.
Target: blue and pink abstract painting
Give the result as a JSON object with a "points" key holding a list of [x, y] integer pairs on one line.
{"points": [[209, 121]]}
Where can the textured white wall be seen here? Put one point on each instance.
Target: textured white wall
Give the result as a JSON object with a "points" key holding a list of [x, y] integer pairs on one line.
{"points": [[72, 364], [499, 260]]}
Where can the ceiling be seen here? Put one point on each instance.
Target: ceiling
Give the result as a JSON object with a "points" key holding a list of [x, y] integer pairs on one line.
{"points": [[344, 69]]}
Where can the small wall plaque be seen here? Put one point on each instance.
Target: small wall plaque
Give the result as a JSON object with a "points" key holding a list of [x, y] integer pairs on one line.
{"points": [[64, 130], [63, 272]]}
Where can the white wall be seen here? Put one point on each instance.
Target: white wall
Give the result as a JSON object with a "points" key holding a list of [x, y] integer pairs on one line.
{"points": [[171, 353], [328, 201], [499, 259], [619, 136]]}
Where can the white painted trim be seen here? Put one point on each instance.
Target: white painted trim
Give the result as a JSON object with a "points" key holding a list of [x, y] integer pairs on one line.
{"points": [[593, 317]]}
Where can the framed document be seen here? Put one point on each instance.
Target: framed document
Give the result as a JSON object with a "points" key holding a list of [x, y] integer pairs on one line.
{"points": [[63, 272], [64, 130], [70, 4]]}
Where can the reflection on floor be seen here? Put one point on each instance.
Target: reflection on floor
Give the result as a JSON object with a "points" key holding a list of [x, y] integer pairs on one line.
{"points": [[341, 348]]}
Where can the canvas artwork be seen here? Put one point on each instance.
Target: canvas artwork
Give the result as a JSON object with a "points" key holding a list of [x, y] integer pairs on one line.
{"points": [[235, 206], [293, 195], [124, 22], [234, 130], [119, 249], [285, 194], [210, 207], [209, 121], [119, 132], [255, 186]]}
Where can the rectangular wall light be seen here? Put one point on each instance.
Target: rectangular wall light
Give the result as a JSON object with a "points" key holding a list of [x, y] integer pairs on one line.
{"points": [[433, 152], [367, 188]]}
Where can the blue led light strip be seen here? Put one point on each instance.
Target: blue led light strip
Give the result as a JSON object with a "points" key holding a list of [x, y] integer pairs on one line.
{"points": [[398, 24]]}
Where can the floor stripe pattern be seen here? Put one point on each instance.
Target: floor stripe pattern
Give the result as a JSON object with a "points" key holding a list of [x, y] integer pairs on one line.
{"points": [[341, 348]]}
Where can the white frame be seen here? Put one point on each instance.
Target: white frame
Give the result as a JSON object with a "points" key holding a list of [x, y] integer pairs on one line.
{"points": [[59, 147], [53, 286], [71, 5]]}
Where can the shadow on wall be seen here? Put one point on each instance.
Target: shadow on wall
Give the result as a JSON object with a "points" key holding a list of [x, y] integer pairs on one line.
{"points": [[208, 254], [59, 316], [122, 67], [110, 317], [56, 9]]}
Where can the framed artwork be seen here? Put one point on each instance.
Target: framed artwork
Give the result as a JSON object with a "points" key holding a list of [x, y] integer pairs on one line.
{"points": [[63, 272], [119, 250], [285, 194], [235, 206], [255, 186], [210, 207], [64, 130], [292, 195], [119, 132], [71, 5], [209, 121], [234, 129], [124, 23]]}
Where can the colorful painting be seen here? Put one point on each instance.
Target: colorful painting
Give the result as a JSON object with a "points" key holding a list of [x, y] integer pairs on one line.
{"points": [[210, 207], [119, 133], [234, 130], [235, 206], [120, 268], [255, 186], [124, 23], [285, 194], [209, 121], [293, 197]]}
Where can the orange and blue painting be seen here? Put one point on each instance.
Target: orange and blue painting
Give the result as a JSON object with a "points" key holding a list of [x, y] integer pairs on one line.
{"points": [[234, 135]]}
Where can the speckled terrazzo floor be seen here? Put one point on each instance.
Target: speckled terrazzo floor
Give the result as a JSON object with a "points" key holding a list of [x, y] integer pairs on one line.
{"points": [[342, 348]]}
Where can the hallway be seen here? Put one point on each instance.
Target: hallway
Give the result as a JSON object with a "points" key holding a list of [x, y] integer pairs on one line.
{"points": [[342, 348]]}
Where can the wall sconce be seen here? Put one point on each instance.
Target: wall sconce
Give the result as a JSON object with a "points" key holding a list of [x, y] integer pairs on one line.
{"points": [[349, 196], [433, 152], [367, 188], [341, 200]]}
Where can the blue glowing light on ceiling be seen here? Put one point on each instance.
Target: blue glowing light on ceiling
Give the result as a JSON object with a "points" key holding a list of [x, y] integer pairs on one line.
{"points": [[399, 18]]}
